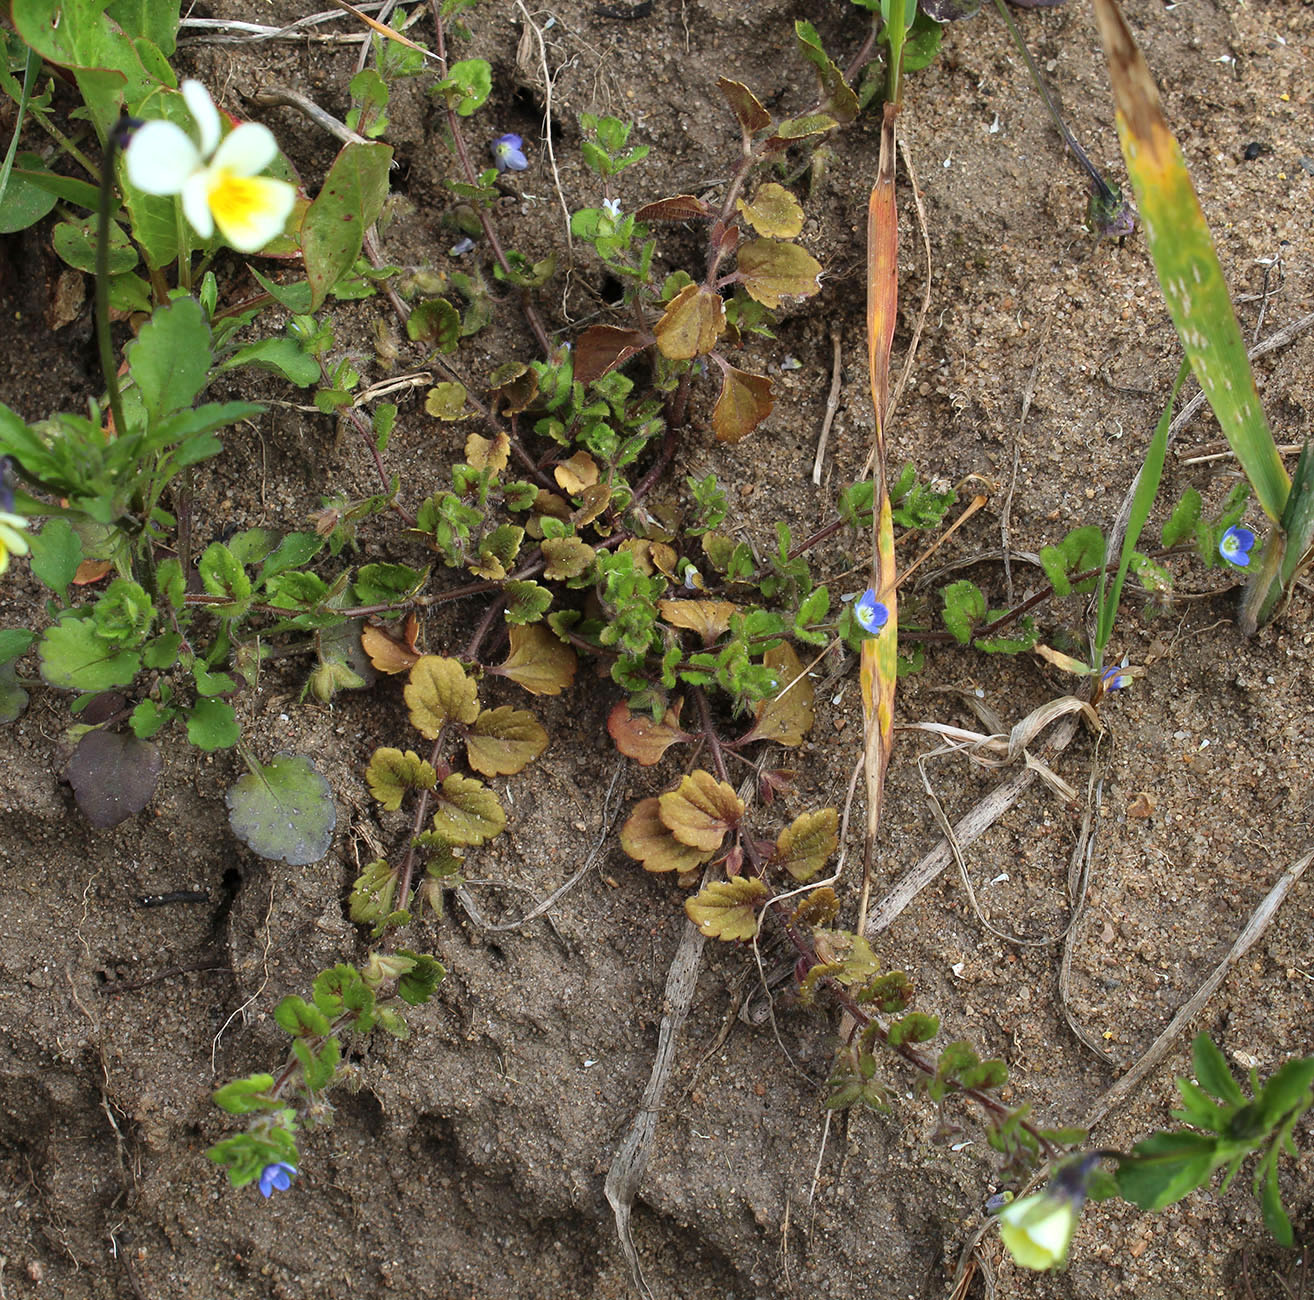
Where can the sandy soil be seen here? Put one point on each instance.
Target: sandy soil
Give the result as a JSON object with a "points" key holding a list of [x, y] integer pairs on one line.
{"points": [[470, 1161]]}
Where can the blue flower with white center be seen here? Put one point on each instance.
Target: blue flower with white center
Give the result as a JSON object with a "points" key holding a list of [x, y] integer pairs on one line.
{"points": [[509, 154], [461, 247], [276, 1178], [1235, 546], [612, 208], [870, 613]]}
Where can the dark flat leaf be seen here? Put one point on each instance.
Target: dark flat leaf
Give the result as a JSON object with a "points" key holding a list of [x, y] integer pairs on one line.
{"points": [[113, 775]]}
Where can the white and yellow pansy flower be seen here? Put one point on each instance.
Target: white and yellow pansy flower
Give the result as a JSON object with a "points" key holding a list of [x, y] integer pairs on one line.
{"points": [[13, 537], [219, 182]]}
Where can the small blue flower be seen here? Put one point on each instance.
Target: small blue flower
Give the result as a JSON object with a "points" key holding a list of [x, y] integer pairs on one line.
{"points": [[1115, 679], [461, 247], [870, 613], [1236, 545], [508, 153], [612, 208], [276, 1177]]}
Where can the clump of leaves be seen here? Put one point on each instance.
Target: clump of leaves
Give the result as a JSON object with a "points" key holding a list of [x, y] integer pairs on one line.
{"points": [[462, 811], [344, 1000]]}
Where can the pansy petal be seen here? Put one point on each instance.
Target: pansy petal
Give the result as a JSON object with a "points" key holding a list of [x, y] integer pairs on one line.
{"points": [[204, 114], [160, 158], [249, 210], [196, 203], [246, 150]]}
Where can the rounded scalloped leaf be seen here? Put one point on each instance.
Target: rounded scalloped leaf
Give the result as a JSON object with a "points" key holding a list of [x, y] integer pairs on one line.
{"points": [[440, 692], [726, 909], [538, 661], [804, 846], [745, 401], [283, 810], [773, 269], [638, 737], [787, 716], [700, 810], [647, 840], [774, 211], [468, 812], [504, 741], [391, 774], [693, 321]]}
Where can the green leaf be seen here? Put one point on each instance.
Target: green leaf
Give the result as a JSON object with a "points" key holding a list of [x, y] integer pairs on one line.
{"points": [[335, 223], [170, 359], [1270, 1200], [1165, 1167], [74, 656], [467, 85], [222, 574], [282, 356], [418, 984], [56, 554], [75, 242], [243, 1096], [298, 1017], [24, 202], [1211, 1069], [1183, 520], [212, 724], [915, 1027], [391, 774], [728, 909], [964, 607], [283, 810], [468, 812]]}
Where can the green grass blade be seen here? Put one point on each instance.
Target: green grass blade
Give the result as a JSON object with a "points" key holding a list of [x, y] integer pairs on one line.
{"points": [[1147, 488], [1187, 265]]}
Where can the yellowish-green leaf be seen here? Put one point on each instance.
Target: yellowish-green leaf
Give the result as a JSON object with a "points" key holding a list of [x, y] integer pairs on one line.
{"points": [[700, 810], [646, 839], [773, 270], [806, 844], [708, 618], [726, 909], [391, 774], [468, 812], [693, 321], [774, 211], [577, 473], [439, 692], [446, 401], [487, 453], [787, 716], [567, 557], [504, 741], [745, 401], [538, 661], [819, 908], [850, 953], [1187, 264]]}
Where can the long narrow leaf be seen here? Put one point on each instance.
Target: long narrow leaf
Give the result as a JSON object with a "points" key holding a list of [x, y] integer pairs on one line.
{"points": [[880, 654], [1187, 265]]}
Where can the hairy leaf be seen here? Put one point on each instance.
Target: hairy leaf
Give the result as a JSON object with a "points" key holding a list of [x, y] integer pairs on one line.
{"points": [[439, 692], [725, 909], [567, 557], [391, 774], [468, 812], [806, 843], [701, 810], [504, 741], [709, 618]]}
